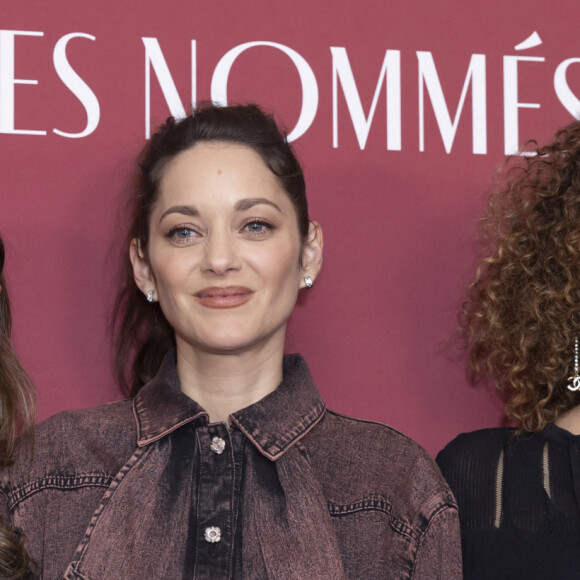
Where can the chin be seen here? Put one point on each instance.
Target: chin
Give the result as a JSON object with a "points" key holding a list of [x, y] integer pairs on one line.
{"points": [[229, 339], [228, 344]]}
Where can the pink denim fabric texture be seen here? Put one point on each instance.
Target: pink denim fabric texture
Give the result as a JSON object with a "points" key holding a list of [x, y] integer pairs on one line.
{"points": [[136, 490]]}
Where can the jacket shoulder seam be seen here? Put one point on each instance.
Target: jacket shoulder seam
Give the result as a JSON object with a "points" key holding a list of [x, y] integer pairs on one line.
{"points": [[377, 423]]}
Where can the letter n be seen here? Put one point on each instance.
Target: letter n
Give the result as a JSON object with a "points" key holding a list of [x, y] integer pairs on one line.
{"points": [[154, 58]]}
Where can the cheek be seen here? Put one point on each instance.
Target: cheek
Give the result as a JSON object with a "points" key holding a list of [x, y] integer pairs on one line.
{"points": [[283, 270], [170, 275]]}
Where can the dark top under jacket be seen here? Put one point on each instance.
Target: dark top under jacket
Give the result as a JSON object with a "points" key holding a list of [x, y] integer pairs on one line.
{"points": [[519, 503], [149, 489]]}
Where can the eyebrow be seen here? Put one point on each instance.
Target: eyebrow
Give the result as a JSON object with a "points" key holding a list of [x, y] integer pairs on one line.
{"points": [[245, 204], [181, 209], [242, 205]]}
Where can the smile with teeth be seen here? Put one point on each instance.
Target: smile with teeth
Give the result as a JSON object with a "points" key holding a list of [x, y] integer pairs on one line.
{"points": [[224, 297]]}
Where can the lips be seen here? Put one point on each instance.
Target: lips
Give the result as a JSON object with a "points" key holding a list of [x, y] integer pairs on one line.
{"points": [[224, 297]]}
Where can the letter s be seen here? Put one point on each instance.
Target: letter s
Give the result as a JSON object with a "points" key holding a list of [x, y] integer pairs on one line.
{"points": [[76, 85]]}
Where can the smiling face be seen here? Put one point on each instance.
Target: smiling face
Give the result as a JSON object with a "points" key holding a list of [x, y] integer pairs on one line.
{"points": [[224, 255]]}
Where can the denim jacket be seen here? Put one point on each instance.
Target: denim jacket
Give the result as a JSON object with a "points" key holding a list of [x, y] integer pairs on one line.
{"points": [[149, 489]]}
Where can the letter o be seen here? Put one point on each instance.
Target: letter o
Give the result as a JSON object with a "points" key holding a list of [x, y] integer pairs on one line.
{"points": [[219, 83]]}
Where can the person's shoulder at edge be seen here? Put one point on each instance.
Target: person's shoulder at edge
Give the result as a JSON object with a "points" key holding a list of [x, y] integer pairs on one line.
{"points": [[74, 441]]}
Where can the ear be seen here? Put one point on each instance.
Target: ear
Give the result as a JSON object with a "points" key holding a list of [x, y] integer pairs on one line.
{"points": [[141, 268], [312, 253]]}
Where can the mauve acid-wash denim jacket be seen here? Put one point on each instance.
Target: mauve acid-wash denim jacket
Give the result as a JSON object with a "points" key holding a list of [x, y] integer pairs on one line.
{"points": [[148, 489]]}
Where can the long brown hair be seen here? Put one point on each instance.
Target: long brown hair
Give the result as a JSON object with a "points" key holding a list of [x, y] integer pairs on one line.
{"points": [[17, 413], [142, 334], [522, 313]]}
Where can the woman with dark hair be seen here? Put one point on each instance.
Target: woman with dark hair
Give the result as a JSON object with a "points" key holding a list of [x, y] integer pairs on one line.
{"points": [[225, 463], [17, 412], [518, 489]]}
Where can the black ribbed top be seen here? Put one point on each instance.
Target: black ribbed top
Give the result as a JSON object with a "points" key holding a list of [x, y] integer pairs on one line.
{"points": [[518, 502]]}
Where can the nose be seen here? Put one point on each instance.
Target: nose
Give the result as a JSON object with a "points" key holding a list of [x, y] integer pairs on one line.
{"points": [[220, 254]]}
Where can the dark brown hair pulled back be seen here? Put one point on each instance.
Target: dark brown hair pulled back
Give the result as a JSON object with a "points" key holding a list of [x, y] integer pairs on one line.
{"points": [[523, 309], [142, 334]]}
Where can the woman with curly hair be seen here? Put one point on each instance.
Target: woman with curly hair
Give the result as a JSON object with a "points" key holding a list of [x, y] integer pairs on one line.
{"points": [[518, 489], [17, 411]]}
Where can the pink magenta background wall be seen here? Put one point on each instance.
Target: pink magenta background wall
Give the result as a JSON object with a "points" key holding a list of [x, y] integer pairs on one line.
{"points": [[401, 112]]}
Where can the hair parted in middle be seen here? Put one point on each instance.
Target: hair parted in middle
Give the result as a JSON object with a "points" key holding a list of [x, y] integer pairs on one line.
{"points": [[142, 334], [523, 309]]}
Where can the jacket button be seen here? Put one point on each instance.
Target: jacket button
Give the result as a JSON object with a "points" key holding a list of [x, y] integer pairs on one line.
{"points": [[213, 534], [217, 445]]}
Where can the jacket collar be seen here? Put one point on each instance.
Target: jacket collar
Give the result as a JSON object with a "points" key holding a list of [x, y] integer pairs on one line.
{"points": [[160, 407], [284, 416], [272, 425]]}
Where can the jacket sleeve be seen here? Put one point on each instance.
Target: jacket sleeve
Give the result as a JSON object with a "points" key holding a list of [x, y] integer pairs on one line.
{"points": [[439, 554]]}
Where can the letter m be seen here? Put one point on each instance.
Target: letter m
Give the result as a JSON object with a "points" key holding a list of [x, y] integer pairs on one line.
{"points": [[342, 71], [476, 77]]}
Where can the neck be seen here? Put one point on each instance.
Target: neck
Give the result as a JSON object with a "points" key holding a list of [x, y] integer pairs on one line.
{"points": [[225, 383], [570, 420]]}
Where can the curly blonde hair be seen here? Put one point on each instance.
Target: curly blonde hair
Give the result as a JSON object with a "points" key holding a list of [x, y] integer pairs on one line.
{"points": [[522, 311]]}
